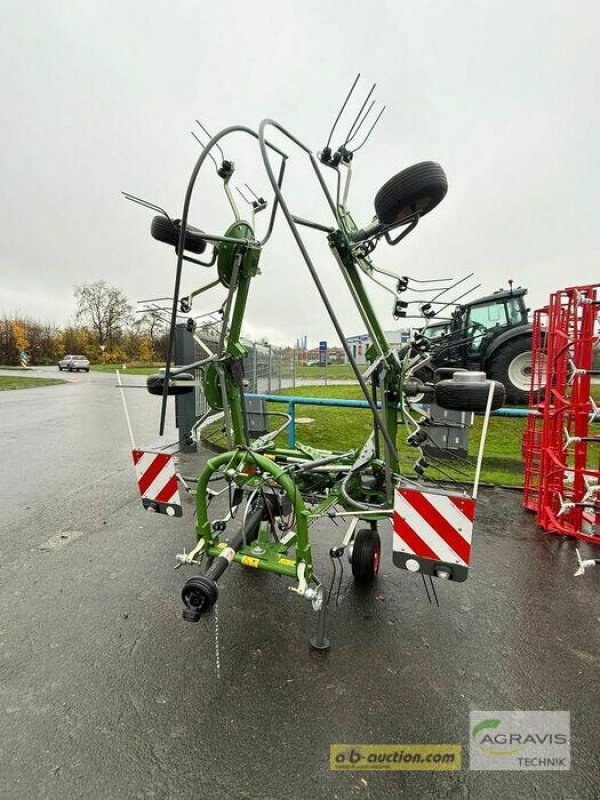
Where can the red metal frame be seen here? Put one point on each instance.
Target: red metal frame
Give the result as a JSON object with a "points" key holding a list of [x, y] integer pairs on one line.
{"points": [[561, 454]]}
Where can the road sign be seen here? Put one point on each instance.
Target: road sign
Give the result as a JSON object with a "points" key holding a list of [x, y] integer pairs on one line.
{"points": [[323, 352]]}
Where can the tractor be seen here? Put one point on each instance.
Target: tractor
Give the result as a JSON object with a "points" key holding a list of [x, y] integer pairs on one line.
{"points": [[491, 334]]}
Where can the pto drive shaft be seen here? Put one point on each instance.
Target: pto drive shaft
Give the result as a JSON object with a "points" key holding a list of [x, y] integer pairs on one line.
{"points": [[200, 593]]}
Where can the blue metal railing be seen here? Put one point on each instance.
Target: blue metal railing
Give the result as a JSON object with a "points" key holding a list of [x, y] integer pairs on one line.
{"points": [[292, 401]]}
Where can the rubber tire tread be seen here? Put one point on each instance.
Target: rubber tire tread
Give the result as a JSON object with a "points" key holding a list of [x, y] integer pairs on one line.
{"points": [[365, 543], [417, 188], [457, 396], [163, 231], [155, 384]]}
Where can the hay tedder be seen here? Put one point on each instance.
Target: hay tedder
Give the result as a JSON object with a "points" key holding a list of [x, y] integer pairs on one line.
{"points": [[276, 493]]}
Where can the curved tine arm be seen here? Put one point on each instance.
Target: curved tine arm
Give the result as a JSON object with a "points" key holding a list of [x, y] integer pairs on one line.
{"points": [[362, 108], [231, 199], [267, 439], [347, 185], [202, 289], [369, 275], [452, 286], [147, 204], [302, 146], [460, 297], [338, 189], [361, 123], [341, 111], [370, 131], [308, 261], [275, 204], [180, 247]]}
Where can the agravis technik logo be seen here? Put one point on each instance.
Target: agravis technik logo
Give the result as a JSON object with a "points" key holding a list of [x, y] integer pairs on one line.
{"points": [[520, 740]]}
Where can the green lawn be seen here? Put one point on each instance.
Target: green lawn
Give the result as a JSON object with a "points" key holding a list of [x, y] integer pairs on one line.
{"points": [[134, 369], [8, 382], [334, 372], [340, 428]]}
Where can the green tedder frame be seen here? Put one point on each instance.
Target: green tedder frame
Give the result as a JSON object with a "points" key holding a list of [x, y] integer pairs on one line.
{"points": [[278, 492]]}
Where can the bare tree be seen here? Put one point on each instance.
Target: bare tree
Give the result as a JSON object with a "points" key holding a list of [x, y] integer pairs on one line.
{"points": [[150, 329], [153, 323], [104, 308]]}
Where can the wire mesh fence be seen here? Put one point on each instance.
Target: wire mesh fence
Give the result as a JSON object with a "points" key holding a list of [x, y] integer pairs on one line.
{"points": [[269, 369]]}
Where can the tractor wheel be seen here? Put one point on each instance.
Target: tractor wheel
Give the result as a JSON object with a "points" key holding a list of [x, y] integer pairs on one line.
{"points": [[512, 367], [366, 555], [416, 189], [467, 396]]}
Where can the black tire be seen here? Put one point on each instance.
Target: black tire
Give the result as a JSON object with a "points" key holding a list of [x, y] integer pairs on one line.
{"points": [[156, 383], [366, 555], [60, 369], [418, 188], [500, 369], [464, 396], [164, 231]]}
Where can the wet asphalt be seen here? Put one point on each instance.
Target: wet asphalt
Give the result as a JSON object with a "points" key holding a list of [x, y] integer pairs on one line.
{"points": [[106, 693]]}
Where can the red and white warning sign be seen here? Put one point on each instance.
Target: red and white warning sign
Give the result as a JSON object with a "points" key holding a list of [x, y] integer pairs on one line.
{"points": [[157, 482], [432, 532]]}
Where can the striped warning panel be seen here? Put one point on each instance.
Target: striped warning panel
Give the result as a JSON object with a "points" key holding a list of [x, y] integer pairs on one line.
{"points": [[432, 533], [157, 482]]}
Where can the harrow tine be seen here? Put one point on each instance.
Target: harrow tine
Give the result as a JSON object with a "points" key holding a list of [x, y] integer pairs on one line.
{"points": [[341, 111]]}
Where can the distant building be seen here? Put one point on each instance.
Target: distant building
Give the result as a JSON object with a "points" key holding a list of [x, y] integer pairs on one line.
{"points": [[335, 355], [361, 343]]}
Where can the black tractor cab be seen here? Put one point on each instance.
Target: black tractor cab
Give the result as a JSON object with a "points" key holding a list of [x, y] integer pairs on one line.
{"points": [[491, 334]]}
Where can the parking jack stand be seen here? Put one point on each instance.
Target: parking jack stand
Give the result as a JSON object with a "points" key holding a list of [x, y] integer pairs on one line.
{"points": [[320, 641]]}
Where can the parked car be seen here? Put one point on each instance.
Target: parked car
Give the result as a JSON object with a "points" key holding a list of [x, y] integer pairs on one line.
{"points": [[74, 364]]}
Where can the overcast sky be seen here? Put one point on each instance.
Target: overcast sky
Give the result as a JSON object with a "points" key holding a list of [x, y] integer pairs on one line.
{"points": [[99, 97]]}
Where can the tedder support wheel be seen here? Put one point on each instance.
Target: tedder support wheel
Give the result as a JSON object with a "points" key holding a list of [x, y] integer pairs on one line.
{"points": [[163, 230], [512, 367], [366, 555], [155, 384], [416, 189], [466, 396]]}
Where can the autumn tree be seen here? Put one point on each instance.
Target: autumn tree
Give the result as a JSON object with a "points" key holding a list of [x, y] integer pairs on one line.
{"points": [[20, 335], [153, 326], [105, 309]]}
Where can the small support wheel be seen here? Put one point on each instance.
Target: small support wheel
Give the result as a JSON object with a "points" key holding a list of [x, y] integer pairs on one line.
{"points": [[417, 189], [366, 555]]}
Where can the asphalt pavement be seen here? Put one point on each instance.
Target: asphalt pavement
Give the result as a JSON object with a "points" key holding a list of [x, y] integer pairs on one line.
{"points": [[106, 693]]}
